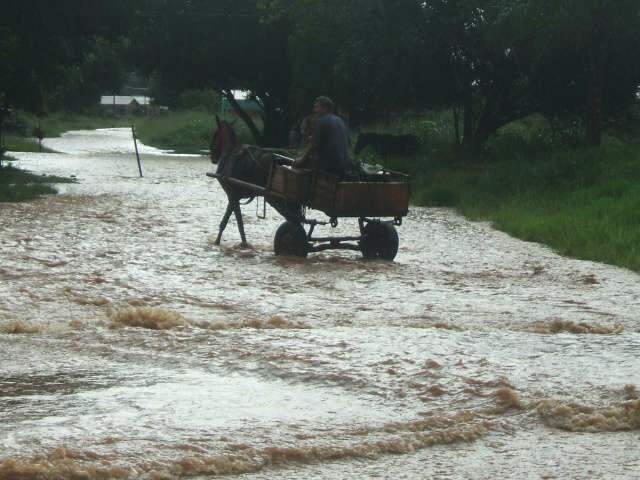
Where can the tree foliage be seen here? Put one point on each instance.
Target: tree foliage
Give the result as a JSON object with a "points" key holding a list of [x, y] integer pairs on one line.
{"points": [[490, 61], [51, 50], [365, 54], [222, 45], [586, 50]]}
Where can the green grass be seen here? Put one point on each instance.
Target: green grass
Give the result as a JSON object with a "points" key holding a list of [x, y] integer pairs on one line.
{"points": [[18, 185], [20, 135], [583, 202], [183, 131], [15, 143], [55, 124]]}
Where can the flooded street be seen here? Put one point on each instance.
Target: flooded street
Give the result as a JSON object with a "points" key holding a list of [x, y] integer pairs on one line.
{"points": [[132, 347]]}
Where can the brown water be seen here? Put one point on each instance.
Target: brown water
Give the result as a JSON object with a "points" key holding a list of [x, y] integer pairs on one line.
{"points": [[131, 347]]}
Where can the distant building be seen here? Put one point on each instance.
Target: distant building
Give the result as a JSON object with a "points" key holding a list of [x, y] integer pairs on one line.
{"points": [[125, 104]]}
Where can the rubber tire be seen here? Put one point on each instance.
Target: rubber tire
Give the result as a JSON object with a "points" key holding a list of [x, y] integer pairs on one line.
{"points": [[379, 241], [291, 240]]}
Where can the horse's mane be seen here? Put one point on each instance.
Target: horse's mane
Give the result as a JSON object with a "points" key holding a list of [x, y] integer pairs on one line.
{"points": [[223, 141]]}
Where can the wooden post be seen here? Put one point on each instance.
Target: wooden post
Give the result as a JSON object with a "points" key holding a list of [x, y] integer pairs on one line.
{"points": [[39, 134], [135, 144], [1, 137], [3, 110]]}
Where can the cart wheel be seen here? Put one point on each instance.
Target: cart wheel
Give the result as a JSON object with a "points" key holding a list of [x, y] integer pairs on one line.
{"points": [[291, 240], [379, 240]]}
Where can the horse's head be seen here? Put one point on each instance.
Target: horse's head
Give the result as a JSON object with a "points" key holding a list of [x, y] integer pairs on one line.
{"points": [[242, 162], [223, 141]]}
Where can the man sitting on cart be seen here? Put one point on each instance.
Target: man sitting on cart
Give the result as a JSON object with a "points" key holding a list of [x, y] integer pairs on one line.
{"points": [[329, 147]]}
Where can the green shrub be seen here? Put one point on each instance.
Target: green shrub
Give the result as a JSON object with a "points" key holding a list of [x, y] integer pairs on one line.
{"points": [[200, 100]]}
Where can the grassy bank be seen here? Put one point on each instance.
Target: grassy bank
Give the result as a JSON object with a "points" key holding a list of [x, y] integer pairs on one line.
{"points": [[55, 124], [18, 185], [183, 131], [19, 132], [583, 202], [14, 143]]}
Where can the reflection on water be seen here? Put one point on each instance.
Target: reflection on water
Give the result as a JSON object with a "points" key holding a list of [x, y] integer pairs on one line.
{"points": [[132, 347]]}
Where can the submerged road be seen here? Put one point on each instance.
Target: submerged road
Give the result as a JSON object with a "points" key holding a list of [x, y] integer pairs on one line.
{"points": [[132, 347]]}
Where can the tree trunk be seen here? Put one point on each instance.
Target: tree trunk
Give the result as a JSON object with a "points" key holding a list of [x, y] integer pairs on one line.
{"points": [[246, 118], [477, 132], [593, 114], [1, 135], [481, 136], [456, 125], [276, 133], [276, 124], [468, 128]]}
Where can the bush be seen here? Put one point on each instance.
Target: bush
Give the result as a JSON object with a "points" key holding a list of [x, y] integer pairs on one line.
{"points": [[17, 123], [202, 100]]}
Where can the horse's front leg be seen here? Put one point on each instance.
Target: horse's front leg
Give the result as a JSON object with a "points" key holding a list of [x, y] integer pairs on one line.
{"points": [[238, 212], [225, 221]]}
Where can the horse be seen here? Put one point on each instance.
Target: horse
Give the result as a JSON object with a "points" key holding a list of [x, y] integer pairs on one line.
{"points": [[246, 163]]}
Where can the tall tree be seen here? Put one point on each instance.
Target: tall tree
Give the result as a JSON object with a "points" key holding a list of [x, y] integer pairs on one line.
{"points": [[43, 42], [225, 46], [386, 55], [487, 65], [365, 54], [587, 50]]}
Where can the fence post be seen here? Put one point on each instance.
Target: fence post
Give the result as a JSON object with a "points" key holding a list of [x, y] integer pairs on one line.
{"points": [[2, 113], [135, 144]]}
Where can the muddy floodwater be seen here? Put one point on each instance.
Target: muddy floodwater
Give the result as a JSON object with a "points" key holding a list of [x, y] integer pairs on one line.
{"points": [[132, 347]]}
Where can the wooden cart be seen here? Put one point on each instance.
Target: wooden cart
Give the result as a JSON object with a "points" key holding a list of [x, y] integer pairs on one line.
{"points": [[378, 201]]}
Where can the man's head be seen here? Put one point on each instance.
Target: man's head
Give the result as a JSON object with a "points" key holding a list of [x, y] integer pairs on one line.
{"points": [[322, 105]]}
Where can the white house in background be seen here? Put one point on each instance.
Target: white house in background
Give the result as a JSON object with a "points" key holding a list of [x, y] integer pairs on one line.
{"points": [[125, 104]]}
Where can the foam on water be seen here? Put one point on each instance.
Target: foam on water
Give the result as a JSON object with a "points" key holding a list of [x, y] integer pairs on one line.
{"points": [[17, 327], [558, 325], [576, 417], [148, 317], [235, 459]]}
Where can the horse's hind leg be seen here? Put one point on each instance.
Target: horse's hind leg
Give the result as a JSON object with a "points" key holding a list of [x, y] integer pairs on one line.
{"points": [[225, 220], [238, 212]]}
